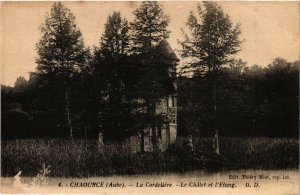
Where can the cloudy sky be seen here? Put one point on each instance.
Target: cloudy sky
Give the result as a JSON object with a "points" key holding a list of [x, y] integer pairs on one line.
{"points": [[270, 29]]}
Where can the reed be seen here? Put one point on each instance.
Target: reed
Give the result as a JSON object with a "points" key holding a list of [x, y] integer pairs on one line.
{"points": [[80, 158]]}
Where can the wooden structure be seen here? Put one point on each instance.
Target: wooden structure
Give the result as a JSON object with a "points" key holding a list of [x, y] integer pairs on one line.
{"points": [[167, 133]]}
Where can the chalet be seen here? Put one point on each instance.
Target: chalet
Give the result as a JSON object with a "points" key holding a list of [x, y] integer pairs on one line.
{"points": [[167, 133]]}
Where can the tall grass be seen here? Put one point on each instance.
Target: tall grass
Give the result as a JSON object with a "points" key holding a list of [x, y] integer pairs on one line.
{"points": [[264, 153], [86, 159]]}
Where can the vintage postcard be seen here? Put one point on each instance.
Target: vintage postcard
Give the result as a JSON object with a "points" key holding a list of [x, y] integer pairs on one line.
{"points": [[149, 97]]}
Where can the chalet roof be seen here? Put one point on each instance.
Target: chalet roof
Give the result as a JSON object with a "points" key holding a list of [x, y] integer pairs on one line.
{"points": [[166, 50]]}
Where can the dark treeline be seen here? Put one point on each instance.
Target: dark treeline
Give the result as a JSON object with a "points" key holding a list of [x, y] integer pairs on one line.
{"points": [[115, 87], [251, 101]]}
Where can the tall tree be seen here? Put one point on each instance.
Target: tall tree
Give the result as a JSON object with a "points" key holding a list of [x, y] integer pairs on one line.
{"points": [[110, 69], [152, 61], [61, 52], [212, 43]]}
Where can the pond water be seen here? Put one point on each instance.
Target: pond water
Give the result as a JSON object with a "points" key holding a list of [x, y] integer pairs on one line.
{"points": [[223, 182]]}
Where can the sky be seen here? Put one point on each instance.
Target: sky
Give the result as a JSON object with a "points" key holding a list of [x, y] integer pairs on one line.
{"points": [[269, 29]]}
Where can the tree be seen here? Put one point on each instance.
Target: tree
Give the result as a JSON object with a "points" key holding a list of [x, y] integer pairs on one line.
{"points": [[20, 83], [110, 69], [151, 61], [61, 52], [212, 42], [255, 102], [149, 26], [280, 91]]}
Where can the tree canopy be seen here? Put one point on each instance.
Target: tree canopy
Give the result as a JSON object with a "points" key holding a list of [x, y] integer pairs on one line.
{"points": [[61, 49], [149, 26]]}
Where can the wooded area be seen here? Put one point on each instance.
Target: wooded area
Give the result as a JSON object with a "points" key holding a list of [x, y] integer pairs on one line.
{"points": [[114, 88]]}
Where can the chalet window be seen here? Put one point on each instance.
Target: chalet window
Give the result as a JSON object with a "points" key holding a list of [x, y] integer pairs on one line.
{"points": [[171, 101]]}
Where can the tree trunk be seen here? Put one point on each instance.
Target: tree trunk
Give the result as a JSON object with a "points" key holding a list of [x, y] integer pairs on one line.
{"points": [[154, 138], [216, 137], [69, 116], [151, 111], [142, 141]]}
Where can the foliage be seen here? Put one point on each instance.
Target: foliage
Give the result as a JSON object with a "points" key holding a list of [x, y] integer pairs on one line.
{"points": [[111, 70], [83, 159], [253, 101], [42, 177], [213, 40], [115, 39], [149, 26], [61, 49]]}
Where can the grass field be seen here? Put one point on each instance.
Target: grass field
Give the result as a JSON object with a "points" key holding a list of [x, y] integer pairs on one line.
{"points": [[86, 159]]}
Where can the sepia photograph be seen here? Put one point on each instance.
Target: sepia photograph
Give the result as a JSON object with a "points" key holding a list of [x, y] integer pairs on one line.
{"points": [[149, 97]]}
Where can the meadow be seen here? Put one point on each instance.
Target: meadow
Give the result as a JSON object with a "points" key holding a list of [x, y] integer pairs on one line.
{"points": [[84, 158]]}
